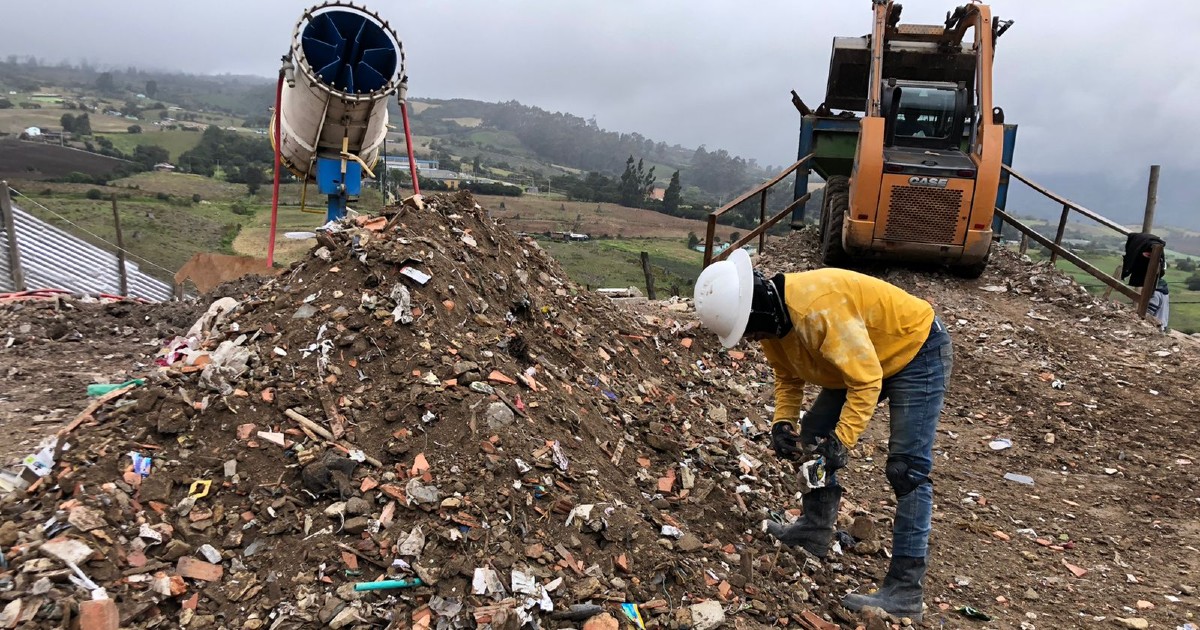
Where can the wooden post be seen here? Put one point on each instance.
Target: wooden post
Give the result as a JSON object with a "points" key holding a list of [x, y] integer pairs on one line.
{"points": [[1151, 281], [1024, 243], [762, 218], [710, 234], [10, 230], [1062, 226], [120, 249], [649, 276], [1151, 199]]}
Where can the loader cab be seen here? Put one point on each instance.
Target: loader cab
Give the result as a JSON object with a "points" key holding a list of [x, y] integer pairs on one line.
{"points": [[925, 115], [924, 129]]}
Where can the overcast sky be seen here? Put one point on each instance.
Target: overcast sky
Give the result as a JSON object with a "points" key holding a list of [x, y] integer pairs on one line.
{"points": [[1100, 89]]}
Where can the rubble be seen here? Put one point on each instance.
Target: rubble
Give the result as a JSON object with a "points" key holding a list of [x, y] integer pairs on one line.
{"points": [[494, 447], [411, 410]]}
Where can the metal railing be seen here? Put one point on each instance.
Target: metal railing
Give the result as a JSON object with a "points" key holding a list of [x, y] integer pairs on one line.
{"points": [[1140, 298], [764, 223]]}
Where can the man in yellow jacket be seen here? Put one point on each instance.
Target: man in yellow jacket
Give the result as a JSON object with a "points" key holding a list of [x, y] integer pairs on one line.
{"points": [[860, 340]]}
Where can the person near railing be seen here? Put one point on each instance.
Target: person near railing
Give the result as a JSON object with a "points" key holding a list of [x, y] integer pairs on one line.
{"points": [[861, 340]]}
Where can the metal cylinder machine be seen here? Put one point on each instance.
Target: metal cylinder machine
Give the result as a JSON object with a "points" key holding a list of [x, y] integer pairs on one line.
{"points": [[331, 104]]}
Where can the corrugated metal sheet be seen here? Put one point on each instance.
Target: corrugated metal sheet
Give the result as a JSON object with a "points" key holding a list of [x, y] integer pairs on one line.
{"points": [[54, 259]]}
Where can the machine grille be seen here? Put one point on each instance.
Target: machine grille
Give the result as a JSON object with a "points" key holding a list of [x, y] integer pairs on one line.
{"points": [[923, 215]]}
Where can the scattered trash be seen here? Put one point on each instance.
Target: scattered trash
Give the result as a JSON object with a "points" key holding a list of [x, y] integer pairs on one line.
{"points": [[41, 463], [812, 474], [633, 615], [486, 582], [560, 458], [384, 585], [1000, 444], [210, 553], [416, 275], [403, 311], [141, 463], [672, 531], [572, 442], [199, 488], [97, 389], [1021, 479], [972, 613]]}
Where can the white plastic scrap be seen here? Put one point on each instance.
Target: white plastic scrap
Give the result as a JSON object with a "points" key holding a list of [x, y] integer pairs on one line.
{"points": [[486, 582], [672, 531], [229, 361], [537, 596], [560, 458], [210, 553], [414, 544], [581, 512], [148, 533], [403, 311], [416, 275]]}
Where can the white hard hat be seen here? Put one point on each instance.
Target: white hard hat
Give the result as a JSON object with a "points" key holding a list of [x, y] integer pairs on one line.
{"points": [[724, 292]]}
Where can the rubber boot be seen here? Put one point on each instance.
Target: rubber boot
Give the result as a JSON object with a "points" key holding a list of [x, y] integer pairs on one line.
{"points": [[814, 530], [902, 593]]}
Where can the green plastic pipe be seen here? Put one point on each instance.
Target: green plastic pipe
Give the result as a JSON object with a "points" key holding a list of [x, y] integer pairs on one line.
{"points": [[383, 585]]}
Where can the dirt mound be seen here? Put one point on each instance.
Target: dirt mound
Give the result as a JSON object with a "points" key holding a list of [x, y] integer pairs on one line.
{"points": [[422, 398], [526, 446]]}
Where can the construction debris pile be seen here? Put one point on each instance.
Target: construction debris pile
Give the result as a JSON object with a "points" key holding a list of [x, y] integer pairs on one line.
{"points": [[422, 424]]}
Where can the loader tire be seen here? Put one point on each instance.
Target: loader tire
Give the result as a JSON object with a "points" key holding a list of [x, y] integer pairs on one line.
{"points": [[832, 252], [837, 184], [834, 185]]}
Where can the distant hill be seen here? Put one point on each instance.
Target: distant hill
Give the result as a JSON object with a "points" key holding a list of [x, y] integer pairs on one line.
{"points": [[499, 131], [510, 139]]}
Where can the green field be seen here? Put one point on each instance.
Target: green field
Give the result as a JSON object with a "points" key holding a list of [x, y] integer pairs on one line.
{"points": [[1185, 304], [617, 263], [175, 142], [499, 139], [182, 185]]}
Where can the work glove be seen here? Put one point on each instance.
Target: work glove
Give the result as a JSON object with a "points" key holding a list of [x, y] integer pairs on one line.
{"points": [[785, 441], [835, 453]]}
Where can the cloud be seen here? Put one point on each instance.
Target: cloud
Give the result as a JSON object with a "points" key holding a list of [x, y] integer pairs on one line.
{"points": [[1100, 90]]}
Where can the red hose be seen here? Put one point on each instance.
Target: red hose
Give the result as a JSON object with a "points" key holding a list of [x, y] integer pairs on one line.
{"points": [[275, 186], [412, 161]]}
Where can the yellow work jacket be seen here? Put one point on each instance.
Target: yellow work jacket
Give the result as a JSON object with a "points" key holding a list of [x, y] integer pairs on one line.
{"points": [[849, 331]]}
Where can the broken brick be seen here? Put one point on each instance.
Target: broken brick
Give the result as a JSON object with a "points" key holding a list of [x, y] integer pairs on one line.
{"points": [[99, 614], [195, 569]]}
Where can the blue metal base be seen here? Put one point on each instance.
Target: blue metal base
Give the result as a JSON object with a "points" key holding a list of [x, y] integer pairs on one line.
{"points": [[1010, 142], [340, 187]]}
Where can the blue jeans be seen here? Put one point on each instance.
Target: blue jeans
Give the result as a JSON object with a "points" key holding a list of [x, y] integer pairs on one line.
{"points": [[915, 396]]}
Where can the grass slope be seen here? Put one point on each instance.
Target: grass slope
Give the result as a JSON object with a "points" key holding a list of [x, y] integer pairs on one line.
{"points": [[165, 234], [175, 142]]}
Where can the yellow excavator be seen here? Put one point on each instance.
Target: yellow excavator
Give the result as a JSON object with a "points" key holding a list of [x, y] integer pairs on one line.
{"points": [[917, 175]]}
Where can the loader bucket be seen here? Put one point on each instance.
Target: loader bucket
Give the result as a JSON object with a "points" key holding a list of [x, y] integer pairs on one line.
{"points": [[850, 65]]}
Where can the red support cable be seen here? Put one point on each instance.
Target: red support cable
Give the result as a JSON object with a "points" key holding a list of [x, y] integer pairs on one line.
{"points": [[412, 161], [275, 187]]}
